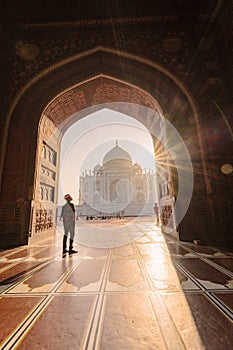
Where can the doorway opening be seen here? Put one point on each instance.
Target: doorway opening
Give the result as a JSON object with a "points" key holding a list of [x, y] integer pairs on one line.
{"points": [[98, 189]]}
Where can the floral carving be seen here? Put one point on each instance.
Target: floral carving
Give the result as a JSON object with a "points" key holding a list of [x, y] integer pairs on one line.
{"points": [[170, 50], [27, 51]]}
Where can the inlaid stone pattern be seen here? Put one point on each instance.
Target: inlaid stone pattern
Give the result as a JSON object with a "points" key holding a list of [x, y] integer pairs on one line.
{"points": [[26, 51], [48, 172], [170, 49], [47, 128]]}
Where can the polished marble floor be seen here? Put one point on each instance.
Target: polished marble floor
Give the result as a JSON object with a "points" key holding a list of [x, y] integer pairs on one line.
{"points": [[128, 287]]}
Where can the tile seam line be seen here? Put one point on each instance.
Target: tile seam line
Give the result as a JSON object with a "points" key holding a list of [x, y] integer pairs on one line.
{"points": [[109, 293], [96, 318], [149, 293], [17, 335], [17, 262], [225, 310], [20, 332], [170, 321], [205, 259], [218, 304], [30, 273], [189, 275], [103, 301]]}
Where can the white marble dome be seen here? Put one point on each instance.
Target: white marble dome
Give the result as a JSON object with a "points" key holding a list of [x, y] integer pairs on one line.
{"points": [[116, 153]]}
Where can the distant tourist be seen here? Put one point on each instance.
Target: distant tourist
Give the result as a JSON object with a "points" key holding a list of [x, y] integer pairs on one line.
{"points": [[156, 211]]}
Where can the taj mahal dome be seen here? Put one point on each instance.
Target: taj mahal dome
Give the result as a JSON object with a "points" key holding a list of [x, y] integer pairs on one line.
{"points": [[118, 187]]}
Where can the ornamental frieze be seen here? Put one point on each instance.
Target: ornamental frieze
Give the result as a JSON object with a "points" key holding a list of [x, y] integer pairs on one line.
{"points": [[170, 49]]}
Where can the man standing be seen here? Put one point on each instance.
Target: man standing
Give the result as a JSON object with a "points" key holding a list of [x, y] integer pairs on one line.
{"points": [[156, 211], [68, 216]]}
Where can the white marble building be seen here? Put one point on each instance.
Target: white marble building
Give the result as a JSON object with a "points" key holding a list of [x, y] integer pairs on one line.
{"points": [[117, 187]]}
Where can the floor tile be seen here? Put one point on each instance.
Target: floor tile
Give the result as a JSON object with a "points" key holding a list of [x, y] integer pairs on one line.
{"points": [[143, 291]]}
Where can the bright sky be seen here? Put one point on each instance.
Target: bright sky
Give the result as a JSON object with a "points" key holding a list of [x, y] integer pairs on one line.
{"points": [[87, 141]]}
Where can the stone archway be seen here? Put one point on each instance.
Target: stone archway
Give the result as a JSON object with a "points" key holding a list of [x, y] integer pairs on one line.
{"points": [[88, 81]]}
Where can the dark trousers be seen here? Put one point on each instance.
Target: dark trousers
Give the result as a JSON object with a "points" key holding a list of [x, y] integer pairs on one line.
{"points": [[68, 229]]}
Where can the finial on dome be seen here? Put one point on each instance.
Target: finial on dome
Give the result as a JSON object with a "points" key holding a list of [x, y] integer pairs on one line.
{"points": [[116, 142]]}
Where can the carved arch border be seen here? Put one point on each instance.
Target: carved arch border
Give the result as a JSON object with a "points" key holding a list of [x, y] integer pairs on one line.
{"points": [[83, 55]]}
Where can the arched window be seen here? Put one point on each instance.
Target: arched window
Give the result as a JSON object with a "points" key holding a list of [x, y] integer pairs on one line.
{"points": [[139, 185], [44, 152], [41, 193], [140, 198], [96, 199], [113, 192], [96, 186], [86, 187]]}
